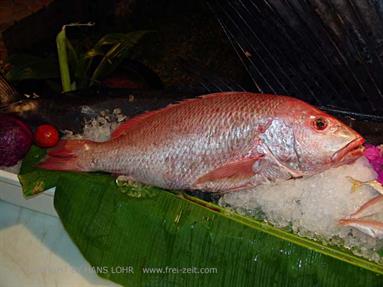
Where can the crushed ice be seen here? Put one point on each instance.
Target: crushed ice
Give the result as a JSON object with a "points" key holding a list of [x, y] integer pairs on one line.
{"points": [[100, 127], [312, 206]]}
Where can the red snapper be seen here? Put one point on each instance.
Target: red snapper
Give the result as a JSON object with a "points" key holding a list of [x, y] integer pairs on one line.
{"points": [[219, 142]]}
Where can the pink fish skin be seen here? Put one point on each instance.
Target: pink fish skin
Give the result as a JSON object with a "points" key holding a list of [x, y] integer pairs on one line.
{"points": [[218, 142]]}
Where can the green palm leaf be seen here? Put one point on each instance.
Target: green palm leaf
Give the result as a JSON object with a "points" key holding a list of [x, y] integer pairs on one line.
{"points": [[111, 40], [146, 227], [121, 48]]}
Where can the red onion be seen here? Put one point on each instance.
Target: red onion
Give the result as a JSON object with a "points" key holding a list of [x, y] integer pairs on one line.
{"points": [[15, 140]]}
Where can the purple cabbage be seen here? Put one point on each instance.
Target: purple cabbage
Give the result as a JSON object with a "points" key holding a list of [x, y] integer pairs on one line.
{"points": [[15, 140]]}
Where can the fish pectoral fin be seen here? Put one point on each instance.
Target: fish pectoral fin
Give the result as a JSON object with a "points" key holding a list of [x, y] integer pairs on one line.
{"points": [[238, 169], [373, 228], [370, 208], [367, 218]]}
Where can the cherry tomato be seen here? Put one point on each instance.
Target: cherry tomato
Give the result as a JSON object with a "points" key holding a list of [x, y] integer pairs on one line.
{"points": [[46, 136]]}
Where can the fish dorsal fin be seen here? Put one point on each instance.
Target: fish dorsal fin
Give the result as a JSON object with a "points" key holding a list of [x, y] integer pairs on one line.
{"points": [[132, 122]]}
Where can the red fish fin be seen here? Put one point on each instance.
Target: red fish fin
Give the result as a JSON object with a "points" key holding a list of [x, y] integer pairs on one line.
{"points": [[68, 148], [370, 223], [130, 123], [365, 206], [65, 156], [373, 228], [58, 163], [237, 169]]}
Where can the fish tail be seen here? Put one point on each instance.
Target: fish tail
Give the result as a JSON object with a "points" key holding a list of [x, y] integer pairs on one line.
{"points": [[68, 155]]}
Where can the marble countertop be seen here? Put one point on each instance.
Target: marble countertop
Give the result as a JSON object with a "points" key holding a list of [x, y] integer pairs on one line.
{"points": [[35, 250]]}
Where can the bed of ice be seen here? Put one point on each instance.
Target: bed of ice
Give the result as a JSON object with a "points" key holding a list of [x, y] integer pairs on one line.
{"points": [[99, 128], [312, 206]]}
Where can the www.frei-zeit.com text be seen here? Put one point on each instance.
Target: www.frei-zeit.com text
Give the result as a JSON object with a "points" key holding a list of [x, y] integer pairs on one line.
{"points": [[157, 270], [132, 270]]}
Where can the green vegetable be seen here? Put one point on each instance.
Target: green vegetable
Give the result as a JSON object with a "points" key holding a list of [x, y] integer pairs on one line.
{"points": [[76, 66], [124, 228], [61, 42]]}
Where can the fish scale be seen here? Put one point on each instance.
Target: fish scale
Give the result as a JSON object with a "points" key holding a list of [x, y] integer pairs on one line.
{"points": [[218, 142]]}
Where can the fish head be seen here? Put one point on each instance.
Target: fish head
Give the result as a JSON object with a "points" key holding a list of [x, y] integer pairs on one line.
{"points": [[320, 140]]}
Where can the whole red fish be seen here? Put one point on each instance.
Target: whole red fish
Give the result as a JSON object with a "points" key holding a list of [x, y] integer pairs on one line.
{"points": [[219, 142]]}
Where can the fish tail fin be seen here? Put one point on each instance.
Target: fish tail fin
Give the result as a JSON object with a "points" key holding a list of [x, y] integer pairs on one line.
{"points": [[68, 155]]}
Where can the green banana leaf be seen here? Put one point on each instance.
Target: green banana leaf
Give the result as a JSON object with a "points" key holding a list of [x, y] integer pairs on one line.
{"points": [[32, 179], [144, 236]]}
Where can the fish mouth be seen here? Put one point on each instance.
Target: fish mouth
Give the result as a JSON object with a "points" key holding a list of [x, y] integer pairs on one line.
{"points": [[351, 151]]}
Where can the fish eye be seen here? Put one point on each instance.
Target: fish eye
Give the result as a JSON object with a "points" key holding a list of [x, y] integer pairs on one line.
{"points": [[320, 124]]}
